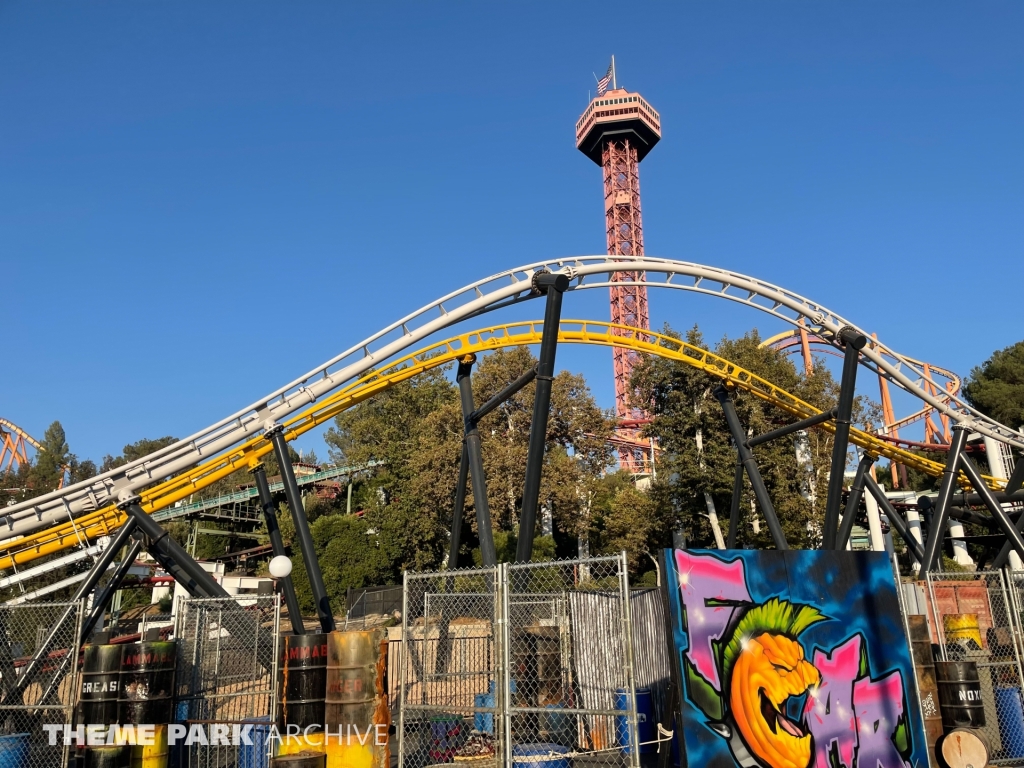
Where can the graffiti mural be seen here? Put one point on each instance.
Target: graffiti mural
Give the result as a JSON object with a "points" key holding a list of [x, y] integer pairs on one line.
{"points": [[793, 660]]}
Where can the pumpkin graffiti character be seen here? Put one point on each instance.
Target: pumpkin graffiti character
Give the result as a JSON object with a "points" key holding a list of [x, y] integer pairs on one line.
{"points": [[763, 667]]}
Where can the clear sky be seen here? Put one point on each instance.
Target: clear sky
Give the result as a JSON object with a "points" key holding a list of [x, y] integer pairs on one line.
{"points": [[201, 201]]}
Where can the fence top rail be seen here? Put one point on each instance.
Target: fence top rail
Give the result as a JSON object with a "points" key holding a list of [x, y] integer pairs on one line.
{"points": [[566, 562], [40, 604], [453, 572]]}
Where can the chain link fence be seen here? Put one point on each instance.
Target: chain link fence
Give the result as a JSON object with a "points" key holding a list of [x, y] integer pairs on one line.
{"points": [[975, 616], [220, 680], [520, 662], [39, 674]]}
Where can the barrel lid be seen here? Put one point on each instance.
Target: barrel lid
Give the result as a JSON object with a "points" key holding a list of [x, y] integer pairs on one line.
{"points": [[539, 750]]}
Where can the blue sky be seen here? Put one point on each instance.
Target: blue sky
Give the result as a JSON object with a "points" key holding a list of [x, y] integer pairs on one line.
{"points": [[201, 201]]}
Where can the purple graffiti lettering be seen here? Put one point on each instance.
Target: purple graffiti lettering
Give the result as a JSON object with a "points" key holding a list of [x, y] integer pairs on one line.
{"points": [[879, 707], [703, 578], [829, 711]]}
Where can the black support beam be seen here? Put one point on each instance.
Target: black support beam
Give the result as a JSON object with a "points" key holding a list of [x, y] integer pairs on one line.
{"points": [[269, 507], [553, 285], [460, 503], [853, 499], [294, 497], [853, 342], [811, 421], [764, 501], [734, 507], [178, 563], [895, 519], [937, 529], [1012, 534], [474, 453]]}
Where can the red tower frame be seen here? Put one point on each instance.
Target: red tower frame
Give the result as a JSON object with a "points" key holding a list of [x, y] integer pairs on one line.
{"points": [[616, 131]]}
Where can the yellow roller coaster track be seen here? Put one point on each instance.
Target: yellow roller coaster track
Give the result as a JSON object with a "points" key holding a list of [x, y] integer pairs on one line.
{"points": [[104, 521]]}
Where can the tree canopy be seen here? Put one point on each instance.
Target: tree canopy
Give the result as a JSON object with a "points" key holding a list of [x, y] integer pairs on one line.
{"points": [[996, 387]]}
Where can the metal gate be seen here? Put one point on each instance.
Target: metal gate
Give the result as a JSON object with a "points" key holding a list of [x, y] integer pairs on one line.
{"points": [[49, 698], [996, 598], [219, 679], [530, 658]]}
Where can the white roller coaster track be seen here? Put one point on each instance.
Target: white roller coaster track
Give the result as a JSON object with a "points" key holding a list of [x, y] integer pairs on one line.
{"points": [[478, 298]]}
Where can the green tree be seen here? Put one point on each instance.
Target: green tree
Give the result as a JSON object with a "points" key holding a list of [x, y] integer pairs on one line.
{"points": [[51, 459], [415, 429], [697, 463], [134, 451], [996, 387]]}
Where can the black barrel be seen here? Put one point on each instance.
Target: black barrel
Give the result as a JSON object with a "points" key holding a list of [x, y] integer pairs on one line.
{"points": [[304, 681], [101, 672], [959, 694], [147, 682]]}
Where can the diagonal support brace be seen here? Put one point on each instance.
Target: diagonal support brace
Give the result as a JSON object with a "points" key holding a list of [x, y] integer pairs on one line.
{"points": [[749, 463]]}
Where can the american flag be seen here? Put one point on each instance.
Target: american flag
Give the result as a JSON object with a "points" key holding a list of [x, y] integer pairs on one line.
{"points": [[602, 84]]}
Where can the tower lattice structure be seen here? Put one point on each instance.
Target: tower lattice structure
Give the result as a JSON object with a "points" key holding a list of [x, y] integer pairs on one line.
{"points": [[617, 131]]}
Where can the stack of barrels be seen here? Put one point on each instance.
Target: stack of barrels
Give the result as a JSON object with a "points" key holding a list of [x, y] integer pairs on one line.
{"points": [[129, 684], [333, 693], [924, 667]]}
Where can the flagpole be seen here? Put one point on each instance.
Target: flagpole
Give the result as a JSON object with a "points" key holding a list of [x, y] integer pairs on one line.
{"points": [[615, 85]]}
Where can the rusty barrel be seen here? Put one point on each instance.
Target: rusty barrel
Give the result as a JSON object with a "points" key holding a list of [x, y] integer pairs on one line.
{"points": [[101, 674], [147, 682], [304, 681], [959, 694], [352, 679]]}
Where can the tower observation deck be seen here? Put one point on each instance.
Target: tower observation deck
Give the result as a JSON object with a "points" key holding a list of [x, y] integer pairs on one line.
{"points": [[616, 131]]}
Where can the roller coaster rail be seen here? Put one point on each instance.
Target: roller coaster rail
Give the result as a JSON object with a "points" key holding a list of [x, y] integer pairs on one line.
{"points": [[248, 494], [502, 290], [163, 495]]}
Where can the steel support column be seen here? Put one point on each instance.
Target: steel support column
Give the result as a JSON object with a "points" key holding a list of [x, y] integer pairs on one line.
{"points": [[895, 520], [463, 377], [102, 600], [853, 343], [553, 285], [796, 426], [269, 507], [460, 503], [1012, 534], [937, 528], [309, 557], [750, 465], [853, 500], [734, 507], [190, 574]]}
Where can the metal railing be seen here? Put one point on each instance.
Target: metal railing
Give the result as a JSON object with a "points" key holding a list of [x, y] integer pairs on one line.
{"points": [[997, 648], [525, 659], [219, 678], [25, 630]]}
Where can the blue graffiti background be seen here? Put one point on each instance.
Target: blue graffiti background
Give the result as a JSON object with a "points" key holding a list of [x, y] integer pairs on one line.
{"points": [[856, 590]]}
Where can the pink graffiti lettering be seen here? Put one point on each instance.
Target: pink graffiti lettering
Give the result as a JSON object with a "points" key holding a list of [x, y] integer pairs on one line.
{"points": [[829, 710], [703, 578], [879, 707]]}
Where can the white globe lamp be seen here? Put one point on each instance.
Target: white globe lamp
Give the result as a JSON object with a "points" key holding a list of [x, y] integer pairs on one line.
{"points": [[280, 567]]}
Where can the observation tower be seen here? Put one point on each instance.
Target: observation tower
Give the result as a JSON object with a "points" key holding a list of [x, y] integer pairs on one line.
{"points": [[616, 131]]}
